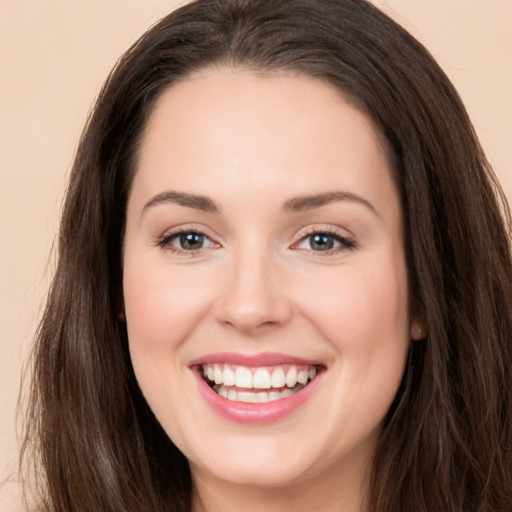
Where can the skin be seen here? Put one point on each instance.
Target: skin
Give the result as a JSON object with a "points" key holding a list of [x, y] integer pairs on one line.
{"points": [[251, 143]]}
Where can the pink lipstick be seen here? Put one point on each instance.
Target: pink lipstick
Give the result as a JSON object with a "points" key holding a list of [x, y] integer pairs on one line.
{"points": [[256, 388]]}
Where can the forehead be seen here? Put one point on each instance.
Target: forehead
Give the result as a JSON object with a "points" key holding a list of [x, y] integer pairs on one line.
{"points": [[247, 130], [234, 95]]}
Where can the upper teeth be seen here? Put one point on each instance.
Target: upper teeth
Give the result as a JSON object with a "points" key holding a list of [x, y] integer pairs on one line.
{"points": [[259, 378]]}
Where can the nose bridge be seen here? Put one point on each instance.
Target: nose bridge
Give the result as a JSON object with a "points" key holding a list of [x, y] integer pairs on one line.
{"points": [[252, 296]]}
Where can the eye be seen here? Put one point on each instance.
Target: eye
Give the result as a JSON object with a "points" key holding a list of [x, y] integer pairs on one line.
{"points": [[186, 241], [324, 241]]}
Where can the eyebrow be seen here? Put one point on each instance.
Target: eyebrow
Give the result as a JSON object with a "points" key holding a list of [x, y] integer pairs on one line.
{"points": [[293, 205], [303, 203], [196, 202]]}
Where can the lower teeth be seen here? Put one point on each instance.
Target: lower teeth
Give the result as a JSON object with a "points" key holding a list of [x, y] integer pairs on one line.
{"points": [[255, 397]]}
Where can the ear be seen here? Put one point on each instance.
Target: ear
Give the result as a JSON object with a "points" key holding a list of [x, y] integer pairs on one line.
{"points": [[418, 329], [120, 307]]}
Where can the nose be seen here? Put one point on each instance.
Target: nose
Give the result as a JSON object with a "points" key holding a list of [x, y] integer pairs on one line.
{"points": [[253, 295]]}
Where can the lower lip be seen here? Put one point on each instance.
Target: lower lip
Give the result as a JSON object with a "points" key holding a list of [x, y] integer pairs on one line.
{"points": [[255, 414]]}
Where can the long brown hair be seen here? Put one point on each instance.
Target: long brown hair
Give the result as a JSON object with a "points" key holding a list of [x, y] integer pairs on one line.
{"points": [[447, 442]]}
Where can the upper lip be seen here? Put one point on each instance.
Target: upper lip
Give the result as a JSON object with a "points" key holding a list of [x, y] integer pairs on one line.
{"points": [[261, 359]]}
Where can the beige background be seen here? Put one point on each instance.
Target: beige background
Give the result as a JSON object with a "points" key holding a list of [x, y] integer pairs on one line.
{"points": [[54, 56]]}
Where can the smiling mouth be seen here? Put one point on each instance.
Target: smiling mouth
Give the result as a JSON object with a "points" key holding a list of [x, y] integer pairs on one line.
{"points": [[257, 385]]}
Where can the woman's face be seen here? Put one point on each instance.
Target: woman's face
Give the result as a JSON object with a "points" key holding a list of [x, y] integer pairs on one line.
{"points": [[265, 283]]}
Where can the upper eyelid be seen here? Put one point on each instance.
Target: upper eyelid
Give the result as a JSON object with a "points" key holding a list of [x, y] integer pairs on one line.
{"points": [[187, 228], [322, 228]]}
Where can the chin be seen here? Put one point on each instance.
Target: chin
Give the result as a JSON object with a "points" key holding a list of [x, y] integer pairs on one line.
{"points": [[256, 474], [267, 463]]}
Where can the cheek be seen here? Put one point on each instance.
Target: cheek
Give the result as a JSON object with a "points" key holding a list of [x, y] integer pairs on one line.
{"points": [[163, 306], [362, 312], [359, 308]]}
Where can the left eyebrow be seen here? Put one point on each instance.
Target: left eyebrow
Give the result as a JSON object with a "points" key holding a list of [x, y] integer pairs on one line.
{"points": [[303, 203]]}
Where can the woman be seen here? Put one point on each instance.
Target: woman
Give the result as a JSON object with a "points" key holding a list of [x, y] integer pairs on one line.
{"points": [[284, 281]]}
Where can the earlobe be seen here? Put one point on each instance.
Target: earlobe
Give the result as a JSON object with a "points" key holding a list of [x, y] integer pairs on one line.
{"points": [[120, 308], [418, 330]]}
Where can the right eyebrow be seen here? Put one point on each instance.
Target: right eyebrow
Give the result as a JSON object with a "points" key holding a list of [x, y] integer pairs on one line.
{"points": [[196, 202]]}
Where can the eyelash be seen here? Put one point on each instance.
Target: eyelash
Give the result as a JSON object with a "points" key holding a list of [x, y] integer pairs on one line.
{"points": [[165, 241], [345, 243]]}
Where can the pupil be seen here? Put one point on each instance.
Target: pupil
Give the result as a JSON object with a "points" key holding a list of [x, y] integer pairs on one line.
{"points": [[322, 242], [191, 241]]}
